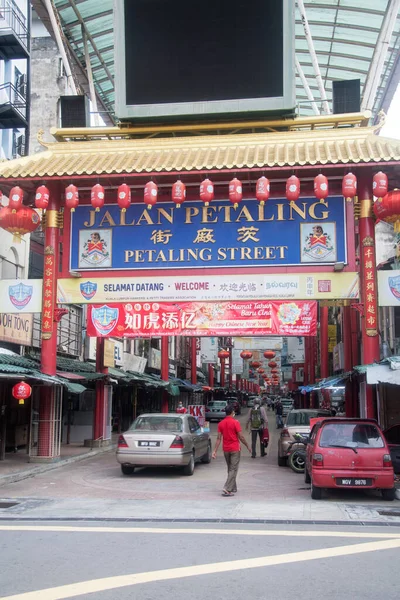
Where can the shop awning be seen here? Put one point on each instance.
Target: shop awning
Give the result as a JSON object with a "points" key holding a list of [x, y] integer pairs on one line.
{"points": [[387, 371], [74, 388], [327, 383]]}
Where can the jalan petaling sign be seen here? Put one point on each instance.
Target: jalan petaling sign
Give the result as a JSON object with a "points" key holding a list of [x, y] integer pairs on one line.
{"points": [[280, 233]]}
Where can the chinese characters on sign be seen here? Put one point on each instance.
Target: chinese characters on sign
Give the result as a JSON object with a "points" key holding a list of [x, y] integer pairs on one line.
{"points": [[370, 287], [48, 293], [150, 319]]}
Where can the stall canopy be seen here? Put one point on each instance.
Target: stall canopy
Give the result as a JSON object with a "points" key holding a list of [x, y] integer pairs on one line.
{"points": [[327, 383], [386, 371]]}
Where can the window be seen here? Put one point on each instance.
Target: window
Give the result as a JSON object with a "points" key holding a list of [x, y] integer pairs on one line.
{"points": [[150, 423], [193, 425], [351, 435], [303, 418], [9, 270]]}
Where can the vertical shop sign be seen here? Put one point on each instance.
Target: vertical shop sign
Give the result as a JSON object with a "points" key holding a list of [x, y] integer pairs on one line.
{"points": [[369, 287], [48, 293]]}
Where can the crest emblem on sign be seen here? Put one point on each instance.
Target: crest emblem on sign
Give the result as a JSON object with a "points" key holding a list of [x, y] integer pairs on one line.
{"points": [[105, 319], [20, 295], [88, 289], [318, 244], [394, 285], [95, 251]]}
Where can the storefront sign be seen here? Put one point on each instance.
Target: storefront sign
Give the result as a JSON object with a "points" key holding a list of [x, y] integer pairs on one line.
{"points": [[203, 319], [198, 236], [209, 349], [21, 296], [316, 286], [370, 287], [16, 329], [109, 349], [90, 350], [332, 337], [258, 343], [389, 288], [198, 411]]}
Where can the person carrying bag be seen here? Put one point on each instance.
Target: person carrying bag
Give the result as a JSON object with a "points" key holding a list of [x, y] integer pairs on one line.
{"points": [[257, 421]]}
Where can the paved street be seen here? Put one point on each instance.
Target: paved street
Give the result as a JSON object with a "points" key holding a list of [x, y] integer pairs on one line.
{"points": [[53, 561]]}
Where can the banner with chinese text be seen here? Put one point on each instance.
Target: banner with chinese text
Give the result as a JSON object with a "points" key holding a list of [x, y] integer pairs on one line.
{"points": [[203, 319]]}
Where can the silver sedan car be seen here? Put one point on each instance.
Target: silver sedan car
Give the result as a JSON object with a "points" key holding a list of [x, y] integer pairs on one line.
{"points": [[215, 410], [163, 440]]}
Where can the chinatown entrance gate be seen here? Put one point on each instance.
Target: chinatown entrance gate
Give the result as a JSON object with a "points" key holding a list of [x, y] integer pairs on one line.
{"points": [[184, 236]]}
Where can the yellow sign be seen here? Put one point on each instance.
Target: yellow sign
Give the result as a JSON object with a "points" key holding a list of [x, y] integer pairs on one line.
{"points": [[332, 337], [109, 353], [16, 329]]}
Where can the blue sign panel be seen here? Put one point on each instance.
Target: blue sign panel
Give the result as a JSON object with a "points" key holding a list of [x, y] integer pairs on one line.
{"points": [[280, 233]]}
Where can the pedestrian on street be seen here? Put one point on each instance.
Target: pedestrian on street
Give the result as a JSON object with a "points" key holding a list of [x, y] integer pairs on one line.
{"points": [[230, 433], [279, 414], [257, 420], [181, 409]]}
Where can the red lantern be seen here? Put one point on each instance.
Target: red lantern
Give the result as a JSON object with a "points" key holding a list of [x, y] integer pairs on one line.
{"points": [[388, 209], [246, 355], [178, 193], [293, 188], [207, 191], [42, 197], [269, 354], [349, 186], [235, 192], [262, 190], [274, 371], [255, 364], [321, 188], [15, 199], [380, 185], [97, 197], [260, 370], [272, 364], [23, 221], [71, 197], [150, 194], [124, 197], [223, 354], [21, 391]]}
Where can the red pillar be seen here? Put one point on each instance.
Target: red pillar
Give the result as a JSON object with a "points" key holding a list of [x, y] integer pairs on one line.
{"points": [[98, 425], [48, 363], [230, 369], [164, 370], [238, 378], [323, 332], [369, 326], [211, 375], [222, 379], [306, 361], [346, 339], [193, 355]]}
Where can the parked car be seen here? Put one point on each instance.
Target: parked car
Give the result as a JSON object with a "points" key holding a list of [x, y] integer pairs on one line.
{"points": [[298, 421], [392, 436], [163, 440], [235, 403], [348, 453], [250, 401], [215, 410], [287, 405]]}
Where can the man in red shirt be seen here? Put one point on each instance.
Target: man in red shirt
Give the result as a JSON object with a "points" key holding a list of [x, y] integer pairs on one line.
{"points": [[181, 409], [230, 431]]}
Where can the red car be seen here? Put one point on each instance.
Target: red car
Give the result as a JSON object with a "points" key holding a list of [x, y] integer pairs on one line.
{"points": [[348, 453]]}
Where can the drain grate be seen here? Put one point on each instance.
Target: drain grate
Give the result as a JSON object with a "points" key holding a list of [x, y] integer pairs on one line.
{"points": [[389, 513], [8, 504]]}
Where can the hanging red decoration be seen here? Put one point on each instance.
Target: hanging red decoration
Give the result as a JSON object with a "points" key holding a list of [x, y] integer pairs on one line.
{"points": [[21, 390], [25, 220], [272, 364], [16, 198], [178, 193], [124, 196], [42, 197], [269, 354], [349, 186], [388, 209], [380, 185], [150, 194], [235, 192], [260, 370], [293, 188], [97, 197], [206, 191], [262, 190], [71, 197], [274, 371], [246, 355], [255, 364], [321, 188], [223, 354]]}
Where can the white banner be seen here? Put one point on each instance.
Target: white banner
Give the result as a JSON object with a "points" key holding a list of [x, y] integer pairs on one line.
{"points": [[258, 343], [21, 296], [389, 288], [209, 349], [295, 349]]}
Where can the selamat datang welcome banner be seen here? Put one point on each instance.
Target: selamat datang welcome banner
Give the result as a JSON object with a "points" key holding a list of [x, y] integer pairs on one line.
{"points": [[154, 319]]}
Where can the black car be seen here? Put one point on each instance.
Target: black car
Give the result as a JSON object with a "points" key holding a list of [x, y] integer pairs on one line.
{"points": [[235, 403]]}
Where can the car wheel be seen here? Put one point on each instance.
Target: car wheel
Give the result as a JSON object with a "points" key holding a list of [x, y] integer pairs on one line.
{"points": [[282, 461], [189, 468], [127, 469], [207, 457], [316, 492], [389, 494], [307, 478]]}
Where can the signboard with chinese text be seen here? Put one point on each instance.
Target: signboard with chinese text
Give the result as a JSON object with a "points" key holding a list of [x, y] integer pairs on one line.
{"points": [[369, 295], [203, 319], [315, 286], [21, 296], [49, 278], [196, 236]]}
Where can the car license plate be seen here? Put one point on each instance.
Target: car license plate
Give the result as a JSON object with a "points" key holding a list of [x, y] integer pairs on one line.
{"points": [[354, 482], [149, 444]]}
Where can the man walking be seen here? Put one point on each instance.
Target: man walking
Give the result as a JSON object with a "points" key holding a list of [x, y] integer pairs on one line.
{"points": [[279, 414], [257, 420], [230, 432]]}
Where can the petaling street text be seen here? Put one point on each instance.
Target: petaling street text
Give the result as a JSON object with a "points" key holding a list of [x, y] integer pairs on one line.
{"points": [[188, 255]]}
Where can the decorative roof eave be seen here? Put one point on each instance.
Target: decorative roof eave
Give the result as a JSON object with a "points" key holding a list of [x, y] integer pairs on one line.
{"points": [[277, 150]]}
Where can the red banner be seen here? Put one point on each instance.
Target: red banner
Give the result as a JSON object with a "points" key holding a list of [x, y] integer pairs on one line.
{"points": [[155, 319]]}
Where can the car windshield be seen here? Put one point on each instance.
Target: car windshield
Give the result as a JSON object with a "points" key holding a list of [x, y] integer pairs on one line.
{"points": [[217, 404], [303, 418], [157, 423], [351, 435]]}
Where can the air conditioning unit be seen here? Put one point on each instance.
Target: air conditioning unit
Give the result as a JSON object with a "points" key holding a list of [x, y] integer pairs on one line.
{"points": [[20, 145]]}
